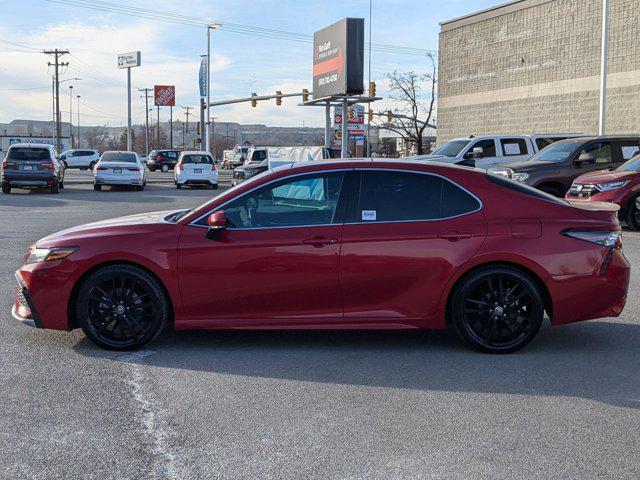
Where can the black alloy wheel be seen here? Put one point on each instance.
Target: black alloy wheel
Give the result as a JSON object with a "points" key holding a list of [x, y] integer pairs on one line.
{"points": [[122, 307], [633, 214], [498, 310]]}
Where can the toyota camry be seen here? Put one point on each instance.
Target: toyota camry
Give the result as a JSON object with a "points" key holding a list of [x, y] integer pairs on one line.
{"points": [[360, 244]]}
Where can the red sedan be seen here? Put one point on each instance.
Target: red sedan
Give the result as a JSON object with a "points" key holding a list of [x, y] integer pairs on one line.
{"points": [[336, 245], [620, 186]]}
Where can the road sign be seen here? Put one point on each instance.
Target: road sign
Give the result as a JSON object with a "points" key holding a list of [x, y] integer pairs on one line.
{"points": [[338, 59], [128, 60], [164, 95]]}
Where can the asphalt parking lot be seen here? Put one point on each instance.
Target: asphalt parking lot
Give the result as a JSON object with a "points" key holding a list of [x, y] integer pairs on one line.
{"points": [[304, 404]]}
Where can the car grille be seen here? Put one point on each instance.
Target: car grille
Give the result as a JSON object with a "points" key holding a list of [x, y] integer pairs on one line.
{"points": [[582, 190], [21, 297]]}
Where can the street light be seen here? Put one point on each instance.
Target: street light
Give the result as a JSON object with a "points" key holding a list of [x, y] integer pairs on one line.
{"points": [[210, 27], [59, 115], [78, 122], [71, 115]]}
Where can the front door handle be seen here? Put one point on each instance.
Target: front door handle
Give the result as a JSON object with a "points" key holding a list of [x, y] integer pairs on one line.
{"points": [[319, 241], [454, 236]]}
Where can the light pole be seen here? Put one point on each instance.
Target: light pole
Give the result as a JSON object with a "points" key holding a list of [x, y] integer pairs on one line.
{"points": [[213, 26], [603, 66], [71, 115], [78, 122]]}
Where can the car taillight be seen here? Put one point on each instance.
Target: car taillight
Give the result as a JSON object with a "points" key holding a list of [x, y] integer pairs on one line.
{"points": [[102, 168], [133, 169], [599, 237], [177, 168], [6, 164], [44, 165]]}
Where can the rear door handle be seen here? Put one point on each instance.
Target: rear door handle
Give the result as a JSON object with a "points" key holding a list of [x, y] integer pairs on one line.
{"points": [[319, 241], [454, 236]]}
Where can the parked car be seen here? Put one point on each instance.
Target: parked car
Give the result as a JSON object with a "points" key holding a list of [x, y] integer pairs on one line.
{"points": [[554, 168], [620, 186], [163, 160], [119, 168], [486, 151], [336, 244], [82, 158], [248, 170], [30, 165], [196, 168]]}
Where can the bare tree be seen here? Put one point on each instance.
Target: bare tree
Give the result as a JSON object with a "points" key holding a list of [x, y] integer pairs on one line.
{"points": [[412, 113]]}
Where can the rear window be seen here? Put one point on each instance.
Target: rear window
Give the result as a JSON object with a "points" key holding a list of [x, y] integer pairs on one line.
{"points": [[197, 159], [524, 189], [28, 154], [119, 157]]}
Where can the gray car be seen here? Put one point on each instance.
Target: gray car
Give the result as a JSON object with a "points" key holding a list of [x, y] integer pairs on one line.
{"points": [[32, 165]]}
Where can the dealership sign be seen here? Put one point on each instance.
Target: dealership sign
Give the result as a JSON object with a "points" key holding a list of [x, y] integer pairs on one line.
{"points": [[128, 60], [164, 95], [338, 59]]}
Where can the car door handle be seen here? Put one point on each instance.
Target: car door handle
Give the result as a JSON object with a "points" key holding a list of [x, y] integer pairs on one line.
{"points": [[454, 236], [319, 241]]}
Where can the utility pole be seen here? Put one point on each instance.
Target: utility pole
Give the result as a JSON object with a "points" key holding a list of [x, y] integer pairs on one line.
{"points": [[146, 97], [71, 115], [78, 122], [170, 126], [158, 129], [57, 64], [186, 127]]}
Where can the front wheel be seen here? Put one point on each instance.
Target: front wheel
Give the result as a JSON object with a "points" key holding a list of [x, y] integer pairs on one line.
{"points": [[633, 213], [122, 307], [97, 188], [497, 310]]}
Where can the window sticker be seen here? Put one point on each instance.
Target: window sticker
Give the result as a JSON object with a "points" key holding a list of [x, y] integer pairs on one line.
{"points": [[368, 215]]}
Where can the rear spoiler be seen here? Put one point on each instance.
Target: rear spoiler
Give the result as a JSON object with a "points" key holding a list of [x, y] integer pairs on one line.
{"points": [[604, 211]]}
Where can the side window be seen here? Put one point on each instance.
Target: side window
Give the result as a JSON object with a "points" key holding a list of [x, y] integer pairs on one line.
{"points": [[388, 196], [601, 152], [456, 201], [543, 142], [513, 146], [629, 149], [298, 201], [172, 155], [488, 148]]}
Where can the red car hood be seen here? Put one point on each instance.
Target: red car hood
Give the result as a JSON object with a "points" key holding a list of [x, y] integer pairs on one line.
{"points": [[128, 224], [604, 176]]}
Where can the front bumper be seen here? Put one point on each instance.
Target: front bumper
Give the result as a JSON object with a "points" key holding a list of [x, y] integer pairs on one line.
{"points": [[23, 308]]}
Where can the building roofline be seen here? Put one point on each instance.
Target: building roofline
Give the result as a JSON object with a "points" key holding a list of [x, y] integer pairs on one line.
{"points": [[491, 12]]}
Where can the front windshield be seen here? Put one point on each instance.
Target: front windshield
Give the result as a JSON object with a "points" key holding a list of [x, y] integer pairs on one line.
{"points": [[557, 152], [452, 148], [631, 165]]}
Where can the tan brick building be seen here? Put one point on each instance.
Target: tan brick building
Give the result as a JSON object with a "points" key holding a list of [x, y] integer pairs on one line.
{"points": [[533, 66]]}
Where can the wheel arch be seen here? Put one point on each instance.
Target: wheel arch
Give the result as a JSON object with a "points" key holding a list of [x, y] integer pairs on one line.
{"points": [[71, 305], [535, 277]]}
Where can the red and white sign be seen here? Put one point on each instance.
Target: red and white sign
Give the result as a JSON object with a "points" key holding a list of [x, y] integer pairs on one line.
{"points": [[355, 115], [164, 95]]}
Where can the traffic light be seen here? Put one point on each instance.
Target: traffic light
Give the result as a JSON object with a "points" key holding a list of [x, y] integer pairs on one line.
{"points": [[370, 115], [305, 95], [372, 89], [278, 97], [254, 102], [389, 116]]}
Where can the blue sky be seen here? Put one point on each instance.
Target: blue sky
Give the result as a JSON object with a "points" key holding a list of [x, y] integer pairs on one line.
{"points": [[242, 62]]}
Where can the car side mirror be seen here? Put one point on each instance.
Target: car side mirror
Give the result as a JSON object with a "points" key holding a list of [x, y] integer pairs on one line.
{"points": [[217, 222], [585, 157]]}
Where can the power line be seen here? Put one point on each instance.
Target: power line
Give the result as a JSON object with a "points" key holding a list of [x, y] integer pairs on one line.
{"points": [[57, 64]]}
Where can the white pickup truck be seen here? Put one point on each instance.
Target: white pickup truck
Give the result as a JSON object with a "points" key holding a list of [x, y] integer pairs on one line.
{"points": [[486, 151]]}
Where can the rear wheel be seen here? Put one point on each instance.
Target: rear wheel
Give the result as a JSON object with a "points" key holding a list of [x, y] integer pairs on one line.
{"points": [[122, 307], [164, 168], [97, 188], [178, 186], [633, 214], [55, 187], [498, 309], [152, 169], [91, 165], [6, 188]]}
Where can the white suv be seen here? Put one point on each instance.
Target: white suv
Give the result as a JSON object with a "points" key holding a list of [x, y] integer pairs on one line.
{"points": [[195, 168], [82, 158], [486, 151]]}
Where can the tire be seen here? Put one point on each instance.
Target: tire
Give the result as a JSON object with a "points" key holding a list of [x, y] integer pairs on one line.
{"points": [[55, 187], [178, 186], [152, 169], [97, 188], [6, 188], [139, 188], [121, 307], [633, 214], [64, 162], [61, 184], [497, 301], [164, 168], [214, 186], [552, 190], [91, 165]]}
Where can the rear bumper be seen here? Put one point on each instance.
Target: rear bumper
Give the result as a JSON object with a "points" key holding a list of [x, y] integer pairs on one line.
{"points": [[118, 181], [17, 180], [184, 179]]}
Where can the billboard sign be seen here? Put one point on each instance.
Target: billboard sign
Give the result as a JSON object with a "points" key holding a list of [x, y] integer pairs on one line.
{"points": [[202, 78], [355, 116], [164, 95], [338, 59], [128, 60]]}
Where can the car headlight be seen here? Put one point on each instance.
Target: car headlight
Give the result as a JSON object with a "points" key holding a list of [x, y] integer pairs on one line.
{"points": [[519, 176], [48, 254], [503, 172], [605, 187]]}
